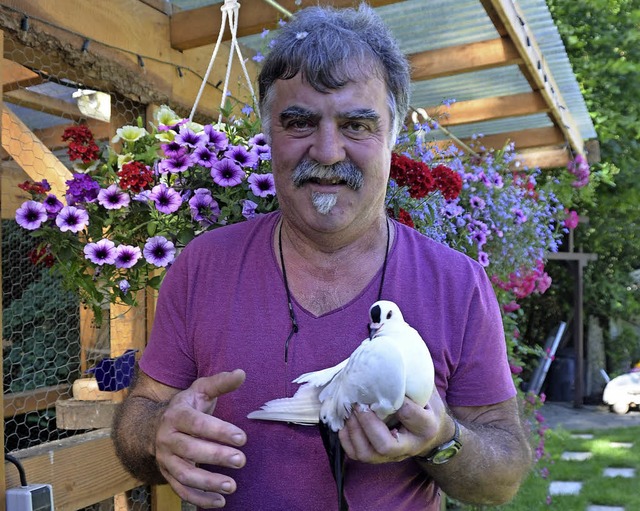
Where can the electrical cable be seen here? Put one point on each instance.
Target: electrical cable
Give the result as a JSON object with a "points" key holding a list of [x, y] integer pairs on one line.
{"points": [[18, 465]]}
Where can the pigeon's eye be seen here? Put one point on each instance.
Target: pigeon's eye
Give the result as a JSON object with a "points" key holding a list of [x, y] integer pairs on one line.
{"points": [[389, 314]]}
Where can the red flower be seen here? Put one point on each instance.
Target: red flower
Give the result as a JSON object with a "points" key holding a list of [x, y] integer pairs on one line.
{"points": [[41, 256], [415, 175], [403, 217], [37, 188], [82, 145], [135, 176], [447, 181]]}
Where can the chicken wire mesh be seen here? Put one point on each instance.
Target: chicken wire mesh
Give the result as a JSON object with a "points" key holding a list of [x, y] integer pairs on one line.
{"points": [[49, 340]]}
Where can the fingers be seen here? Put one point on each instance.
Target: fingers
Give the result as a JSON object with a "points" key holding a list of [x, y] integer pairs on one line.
{"points": [[212, 387], [199, 486], [366, 438], [189, 435]]}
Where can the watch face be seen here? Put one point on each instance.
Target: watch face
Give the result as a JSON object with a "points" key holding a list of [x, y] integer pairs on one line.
{"points": [[445, 454]]}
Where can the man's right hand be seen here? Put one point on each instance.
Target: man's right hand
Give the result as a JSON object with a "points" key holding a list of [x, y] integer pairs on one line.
{"points": [[189, 435]]}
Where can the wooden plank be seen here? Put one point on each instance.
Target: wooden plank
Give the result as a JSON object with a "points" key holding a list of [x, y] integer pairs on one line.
{"points": [[537, 69], [45, 104], [16, 76], [32, 400], [80, 414], [524, 139], [499, 107], [463, 58], [129, 54], [12, 197], [83, 469], [3, 486], [201, 26], [545, 158], [163, 498], [32, 155]]}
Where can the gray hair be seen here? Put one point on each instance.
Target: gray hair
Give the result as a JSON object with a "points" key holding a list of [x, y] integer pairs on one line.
{"points": [[332, 47]]}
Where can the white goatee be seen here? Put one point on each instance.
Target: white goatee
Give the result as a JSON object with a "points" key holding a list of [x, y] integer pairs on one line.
{"points": [[324, 202]]}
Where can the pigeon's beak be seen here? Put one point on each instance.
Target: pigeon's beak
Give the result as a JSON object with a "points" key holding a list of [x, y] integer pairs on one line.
{"points": [[374, 328]]}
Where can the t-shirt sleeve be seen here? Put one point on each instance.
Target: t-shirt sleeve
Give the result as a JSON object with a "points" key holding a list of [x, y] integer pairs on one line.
{"points": [[483, 376], [168, 356]]}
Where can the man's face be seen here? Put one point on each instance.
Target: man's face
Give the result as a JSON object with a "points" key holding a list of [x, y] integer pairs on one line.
{"points": [[331, 153]]}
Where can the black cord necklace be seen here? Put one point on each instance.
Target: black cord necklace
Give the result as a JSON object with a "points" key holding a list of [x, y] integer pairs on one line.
{"points": [[292, 315]]}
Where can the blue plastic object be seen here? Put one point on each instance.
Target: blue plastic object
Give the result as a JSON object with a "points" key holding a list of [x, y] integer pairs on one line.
{"points": [[115, 373]]}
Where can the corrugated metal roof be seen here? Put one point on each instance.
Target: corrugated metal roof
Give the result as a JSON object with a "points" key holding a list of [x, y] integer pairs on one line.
{"points": [[421, 25]]}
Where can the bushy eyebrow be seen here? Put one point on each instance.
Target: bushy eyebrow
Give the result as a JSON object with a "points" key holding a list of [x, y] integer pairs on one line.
{"points": [[297, 112], [358, 114]]}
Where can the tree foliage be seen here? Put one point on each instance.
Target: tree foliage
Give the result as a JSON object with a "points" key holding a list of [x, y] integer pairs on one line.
{"points": [[602, 38]]}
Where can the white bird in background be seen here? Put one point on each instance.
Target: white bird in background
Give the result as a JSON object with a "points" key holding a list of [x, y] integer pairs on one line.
{"points": [[392, 363]]}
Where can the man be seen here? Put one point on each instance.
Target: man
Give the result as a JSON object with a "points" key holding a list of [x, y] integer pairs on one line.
{"points": [[289, 293]]}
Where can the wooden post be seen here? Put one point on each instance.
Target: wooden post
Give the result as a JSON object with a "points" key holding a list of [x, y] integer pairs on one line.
{"points": [[3, 484]]}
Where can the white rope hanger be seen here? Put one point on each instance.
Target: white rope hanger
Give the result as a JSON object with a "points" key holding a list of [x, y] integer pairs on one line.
{"points": [[229, 10]]}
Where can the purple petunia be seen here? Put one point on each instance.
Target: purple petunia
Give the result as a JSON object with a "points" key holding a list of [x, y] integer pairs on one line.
{"points": [[82, 188], [177, 163], [72, 219], [101, 252], [262, 185], [127, 256], [483, 258], [217, 139], [203, 207], [124, 286], [188, 137], [248, 209], [226, 172], [173, 149], [31, 215], [203, 156], [113, 198], [159, 251], [242, 156], [167, 199], [53, 205]]}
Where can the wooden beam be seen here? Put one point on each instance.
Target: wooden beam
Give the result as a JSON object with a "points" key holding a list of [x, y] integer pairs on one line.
{"points": [[128, 54], [201, 26], [32, 155], [499, 107], [52, 137], [15, 76], [545, 158], [83, 469], [463, 58], [3, 485], [536, 68], [524, 139], [45, 104], [33, 400]]}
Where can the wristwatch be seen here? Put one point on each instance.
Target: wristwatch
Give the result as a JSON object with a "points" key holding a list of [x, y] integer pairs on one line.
{"points": [[444, 452]]}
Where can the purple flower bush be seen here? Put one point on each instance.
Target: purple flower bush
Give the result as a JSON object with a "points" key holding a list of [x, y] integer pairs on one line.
{"points": [[125, 217]]}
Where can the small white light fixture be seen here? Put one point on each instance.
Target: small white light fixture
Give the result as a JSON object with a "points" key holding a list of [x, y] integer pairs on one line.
{"points": [[94, 104]]}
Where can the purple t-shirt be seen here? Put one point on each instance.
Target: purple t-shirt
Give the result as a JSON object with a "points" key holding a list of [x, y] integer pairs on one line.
{"points": [[223, 306]]}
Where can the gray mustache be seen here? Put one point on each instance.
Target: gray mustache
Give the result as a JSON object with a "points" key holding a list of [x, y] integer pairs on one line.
{"points": [[345, 171]]}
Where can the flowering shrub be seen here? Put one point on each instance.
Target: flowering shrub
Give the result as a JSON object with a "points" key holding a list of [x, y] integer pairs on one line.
{"points": [[129, 212]]}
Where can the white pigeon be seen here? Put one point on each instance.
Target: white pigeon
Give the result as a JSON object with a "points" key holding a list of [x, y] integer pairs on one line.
{"points": [[393, 363]]}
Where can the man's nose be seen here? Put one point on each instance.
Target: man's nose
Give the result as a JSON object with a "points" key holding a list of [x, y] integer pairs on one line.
{"points": [[327, 146]]}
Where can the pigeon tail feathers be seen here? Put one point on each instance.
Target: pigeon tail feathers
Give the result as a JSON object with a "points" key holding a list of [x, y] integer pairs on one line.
{"points": [[302, 408]]}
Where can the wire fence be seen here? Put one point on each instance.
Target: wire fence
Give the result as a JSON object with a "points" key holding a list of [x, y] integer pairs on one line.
{"points": [[48, 339]]}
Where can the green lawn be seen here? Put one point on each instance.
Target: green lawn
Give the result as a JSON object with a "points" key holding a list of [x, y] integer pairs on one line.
{"points": [[597, 489]]}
